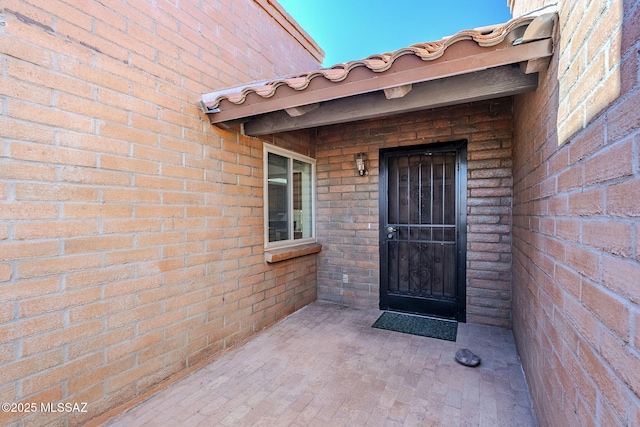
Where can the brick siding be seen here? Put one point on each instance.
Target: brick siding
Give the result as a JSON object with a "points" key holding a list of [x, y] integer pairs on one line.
{"points": [[348, 209], [131, 232], [576, 207]]}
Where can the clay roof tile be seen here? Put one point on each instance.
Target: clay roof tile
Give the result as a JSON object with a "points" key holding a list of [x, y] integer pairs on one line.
{"points": [[428, 51]]}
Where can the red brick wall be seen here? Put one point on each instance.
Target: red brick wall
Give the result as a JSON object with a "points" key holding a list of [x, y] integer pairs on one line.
{"points": [[131, 230], [576, 230], [348, 203]]}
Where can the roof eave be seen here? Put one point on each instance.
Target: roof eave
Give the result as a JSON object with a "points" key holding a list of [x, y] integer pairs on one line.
{"points": [[284, 98], [528, 43]]}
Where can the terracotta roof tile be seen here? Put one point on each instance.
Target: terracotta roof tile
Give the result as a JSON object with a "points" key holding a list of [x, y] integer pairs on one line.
{"points": [[378, 63], [528, 39]]}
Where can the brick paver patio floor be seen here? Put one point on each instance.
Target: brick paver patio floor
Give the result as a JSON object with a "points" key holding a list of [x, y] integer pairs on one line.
{"points": [[326, 366]]}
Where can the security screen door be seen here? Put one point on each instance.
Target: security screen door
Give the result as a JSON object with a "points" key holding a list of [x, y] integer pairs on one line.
{"points": [[423, 229]]}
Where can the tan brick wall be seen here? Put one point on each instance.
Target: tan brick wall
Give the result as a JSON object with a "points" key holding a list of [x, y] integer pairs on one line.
{"points": [[576, 208], [589, 74], [131, 230], [348, 207]]}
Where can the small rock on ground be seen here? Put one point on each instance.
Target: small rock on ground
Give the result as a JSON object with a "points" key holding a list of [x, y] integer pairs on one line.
{"points": [[467, 358]]}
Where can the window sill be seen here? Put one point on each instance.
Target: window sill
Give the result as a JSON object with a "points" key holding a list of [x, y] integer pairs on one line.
{"points": [[276, 255]]}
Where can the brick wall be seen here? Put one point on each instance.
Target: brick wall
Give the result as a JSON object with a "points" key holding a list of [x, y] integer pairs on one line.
{"points": [[131, 230], [576, 229], [348, 209]]}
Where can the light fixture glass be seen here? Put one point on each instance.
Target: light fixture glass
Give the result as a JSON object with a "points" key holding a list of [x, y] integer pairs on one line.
{"points": [[361, 164]]}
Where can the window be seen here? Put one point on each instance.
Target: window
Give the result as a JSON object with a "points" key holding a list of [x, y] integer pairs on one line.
{"points": [[289, 198]]}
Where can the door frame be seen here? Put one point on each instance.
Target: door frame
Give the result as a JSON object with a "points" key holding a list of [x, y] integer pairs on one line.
{"points": [[460, 146]]}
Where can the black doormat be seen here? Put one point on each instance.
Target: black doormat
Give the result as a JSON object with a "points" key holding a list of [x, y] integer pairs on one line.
{"points": [[418, 325]]}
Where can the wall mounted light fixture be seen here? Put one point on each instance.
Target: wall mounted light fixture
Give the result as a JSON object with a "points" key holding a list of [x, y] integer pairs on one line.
{"points": [[361, 164]]}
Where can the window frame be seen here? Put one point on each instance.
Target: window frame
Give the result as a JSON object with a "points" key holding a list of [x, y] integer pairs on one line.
{"points": [[290, 156]]}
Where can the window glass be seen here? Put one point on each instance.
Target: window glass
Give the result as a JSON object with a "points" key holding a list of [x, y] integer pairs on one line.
{"points": [[302, 203], [278, 198], [289, 197]]}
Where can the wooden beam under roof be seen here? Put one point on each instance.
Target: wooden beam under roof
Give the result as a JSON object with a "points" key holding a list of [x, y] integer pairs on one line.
{"points": [[397, 92], [492, 83], [302, 110]]}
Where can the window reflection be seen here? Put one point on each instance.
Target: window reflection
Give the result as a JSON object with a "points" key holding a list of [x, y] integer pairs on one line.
{"points": [[278, 197]]}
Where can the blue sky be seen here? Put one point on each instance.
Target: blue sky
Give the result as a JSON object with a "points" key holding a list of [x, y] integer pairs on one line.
{"points": [[354, 29]]}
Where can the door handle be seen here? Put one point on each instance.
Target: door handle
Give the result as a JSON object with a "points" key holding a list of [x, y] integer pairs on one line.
{"points": [[390, 232]]}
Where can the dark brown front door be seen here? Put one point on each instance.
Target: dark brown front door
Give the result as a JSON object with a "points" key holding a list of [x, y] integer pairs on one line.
{"points": [[423, 229]]}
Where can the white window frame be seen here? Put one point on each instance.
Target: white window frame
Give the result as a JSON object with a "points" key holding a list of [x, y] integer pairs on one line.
{"points": [[291, 156]]}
